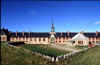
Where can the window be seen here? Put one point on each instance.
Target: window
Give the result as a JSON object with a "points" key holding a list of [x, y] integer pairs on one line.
{"points": [[30, 39], [73, 41], [56, 41], [59, 41], [43, 39], [4, 38], [80, 42]]}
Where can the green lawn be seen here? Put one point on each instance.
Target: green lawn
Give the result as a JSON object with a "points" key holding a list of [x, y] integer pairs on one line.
{"points": [[44, 49]]}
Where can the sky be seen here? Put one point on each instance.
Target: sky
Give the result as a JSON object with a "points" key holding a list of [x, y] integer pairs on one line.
{"points": [[37, 16]]}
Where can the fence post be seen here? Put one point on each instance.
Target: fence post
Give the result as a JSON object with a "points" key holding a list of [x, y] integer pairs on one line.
{"points": [[56, 59], [52, 59]]}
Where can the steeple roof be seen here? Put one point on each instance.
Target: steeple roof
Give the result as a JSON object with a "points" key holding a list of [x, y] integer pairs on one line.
{"points": [[52, 28]]}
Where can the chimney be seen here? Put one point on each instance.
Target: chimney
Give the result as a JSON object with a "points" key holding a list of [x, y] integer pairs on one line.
{"points": [[61, 33], [29, 34], [16, 33], [23, 33], [97, 33], [68, 33]]}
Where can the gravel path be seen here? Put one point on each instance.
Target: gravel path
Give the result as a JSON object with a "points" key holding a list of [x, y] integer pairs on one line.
{"points": [[64, 47]]}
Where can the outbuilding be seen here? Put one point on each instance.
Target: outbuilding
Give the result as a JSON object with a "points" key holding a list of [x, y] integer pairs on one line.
{"points": [[80, 39]]}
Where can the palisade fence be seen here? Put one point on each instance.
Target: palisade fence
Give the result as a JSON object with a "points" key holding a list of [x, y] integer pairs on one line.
{"points": [[57, 58]]}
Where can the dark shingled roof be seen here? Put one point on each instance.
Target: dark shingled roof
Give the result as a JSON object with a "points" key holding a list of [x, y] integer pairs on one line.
{"points": [[59, 34], [47, 34], [31, 34], [92, 34]]}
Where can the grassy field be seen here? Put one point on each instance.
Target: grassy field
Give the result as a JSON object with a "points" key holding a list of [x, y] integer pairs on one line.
{"points": [[44, 49], [89, 57], [18, 56]]}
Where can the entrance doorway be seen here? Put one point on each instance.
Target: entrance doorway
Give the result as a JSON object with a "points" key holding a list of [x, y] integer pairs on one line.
{"points": [[80, 42]]}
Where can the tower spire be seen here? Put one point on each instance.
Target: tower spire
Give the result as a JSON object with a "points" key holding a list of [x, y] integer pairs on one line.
{"points": [[52, 28], [52, 36]]}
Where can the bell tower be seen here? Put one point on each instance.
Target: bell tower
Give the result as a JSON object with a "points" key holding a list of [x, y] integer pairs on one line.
{"points": [[52, 33]]}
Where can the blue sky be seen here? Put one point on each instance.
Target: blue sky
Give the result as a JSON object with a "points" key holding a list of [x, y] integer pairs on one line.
{"points": [[36, 16]]}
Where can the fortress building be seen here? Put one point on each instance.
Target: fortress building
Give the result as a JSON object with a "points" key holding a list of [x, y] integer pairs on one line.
{"points": [[77, 38]]}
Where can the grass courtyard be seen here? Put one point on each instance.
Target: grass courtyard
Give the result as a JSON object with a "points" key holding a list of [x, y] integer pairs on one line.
{"points": [[44, 49], [18, 56]]}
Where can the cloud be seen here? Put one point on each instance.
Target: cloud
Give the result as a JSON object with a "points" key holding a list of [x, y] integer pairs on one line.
{"points": [[98, 22]]}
